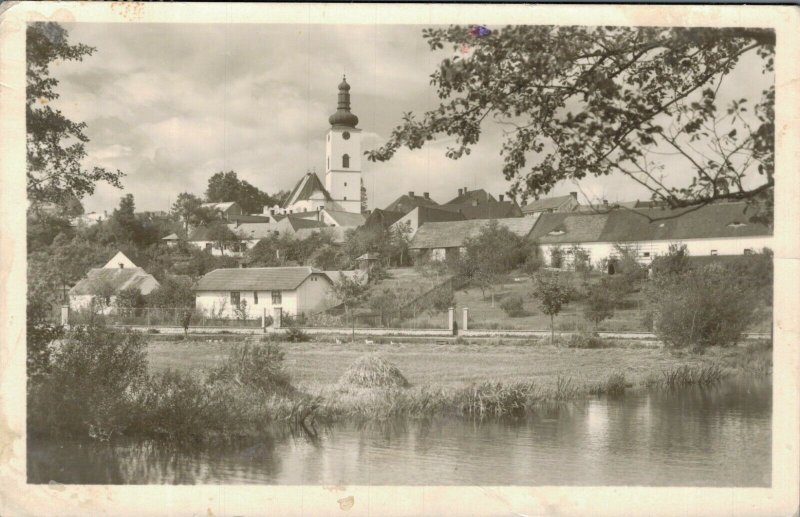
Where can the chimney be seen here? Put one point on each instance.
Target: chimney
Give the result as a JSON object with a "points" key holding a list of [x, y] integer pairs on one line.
{"points": [[605, 202], [500, 197], [427, 195], [460, 192], [410, 193]]}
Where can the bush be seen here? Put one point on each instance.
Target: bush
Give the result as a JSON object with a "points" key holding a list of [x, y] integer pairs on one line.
{"points": [[258, 366], [93, 377], [442, 299], [600, 301], [296, 335], [373, 371], [513, 306], [703, 307], [585, 340]]}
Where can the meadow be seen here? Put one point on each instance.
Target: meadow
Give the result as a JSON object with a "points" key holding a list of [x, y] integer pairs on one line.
{"points": [[318, 364]]}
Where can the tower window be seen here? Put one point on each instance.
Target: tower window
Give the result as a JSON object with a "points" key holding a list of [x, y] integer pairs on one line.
{"points": [[329, 162], [345, 183], [346, 161], [346, 135]]}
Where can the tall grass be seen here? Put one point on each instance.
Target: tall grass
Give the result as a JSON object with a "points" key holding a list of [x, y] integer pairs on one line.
{"points": [[373, 371], [686, 375]]}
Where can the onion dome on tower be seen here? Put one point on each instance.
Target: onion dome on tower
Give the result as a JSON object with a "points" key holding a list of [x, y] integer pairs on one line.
{"points": [[343, 117]]}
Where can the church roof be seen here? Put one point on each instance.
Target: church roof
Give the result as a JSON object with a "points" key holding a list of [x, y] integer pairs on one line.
{"points": [[305, 188]]}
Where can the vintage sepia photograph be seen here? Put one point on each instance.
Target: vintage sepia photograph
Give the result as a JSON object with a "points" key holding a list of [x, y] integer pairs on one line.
{"points": [[379, 254]]}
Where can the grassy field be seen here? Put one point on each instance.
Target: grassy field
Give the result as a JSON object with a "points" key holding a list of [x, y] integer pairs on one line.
{"points": [[319, 364]]}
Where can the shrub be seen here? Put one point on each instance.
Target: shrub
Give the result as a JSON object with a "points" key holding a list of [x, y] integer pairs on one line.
{"points": [[556, 257], [513, 306], [703, 307], [89, 389], [675, 262], [600, 301], [532, 263], [255, 365], [296, 335], [372, 371], [585, 340], [442, 299]]}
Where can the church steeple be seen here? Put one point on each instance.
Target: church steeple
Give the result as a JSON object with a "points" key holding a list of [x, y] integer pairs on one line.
{"points": [[343, 116]]}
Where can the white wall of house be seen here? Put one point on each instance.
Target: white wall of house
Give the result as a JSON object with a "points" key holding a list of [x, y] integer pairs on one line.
{"points": [[229, 249], [647, 250], [313, 295], [80, 302]]}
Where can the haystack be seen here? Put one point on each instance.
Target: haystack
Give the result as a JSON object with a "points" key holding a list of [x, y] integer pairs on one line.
{"points": [[373, 371]]}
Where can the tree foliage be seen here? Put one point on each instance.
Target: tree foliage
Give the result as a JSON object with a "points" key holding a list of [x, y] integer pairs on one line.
{"points": [[553, 293], [55, 144], [226, 186], [578, 101]]}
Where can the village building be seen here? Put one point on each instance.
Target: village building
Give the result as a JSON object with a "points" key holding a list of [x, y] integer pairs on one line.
{"points": [[479, 204], [171, 241], [412, 221], [408, 202], [227, 210], [445, 240], [89, 219], [296, 290], [712, 230], [382, 218], [100, 287], [550, 205], [218, 239]]}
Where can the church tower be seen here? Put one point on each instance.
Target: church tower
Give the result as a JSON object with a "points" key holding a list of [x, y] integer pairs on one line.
{"points": [[343, 155]]}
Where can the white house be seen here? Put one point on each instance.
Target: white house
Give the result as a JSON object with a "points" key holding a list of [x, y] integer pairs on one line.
{"points": [[101, 285], [295, 290], [717, 229]]}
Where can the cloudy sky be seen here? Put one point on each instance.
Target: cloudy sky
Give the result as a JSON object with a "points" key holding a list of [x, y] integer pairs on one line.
{"points": [[171, 104]]}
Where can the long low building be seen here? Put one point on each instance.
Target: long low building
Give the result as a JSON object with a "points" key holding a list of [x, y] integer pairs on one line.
{"points": [[443, 240], [717, 229], [296, 290]]}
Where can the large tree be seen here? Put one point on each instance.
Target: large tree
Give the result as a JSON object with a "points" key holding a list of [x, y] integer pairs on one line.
{"points": [[226, 186], [55, 144], [578, 101]]}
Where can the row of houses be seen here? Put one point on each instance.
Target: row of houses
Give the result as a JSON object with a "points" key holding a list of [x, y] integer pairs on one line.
{"points": [[715, 229]]}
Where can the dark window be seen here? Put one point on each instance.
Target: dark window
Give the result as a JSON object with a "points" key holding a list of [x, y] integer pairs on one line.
{"points": [[345, 183], [346, 135], [235, 298], [208, 246], [346, 161], [713, 252], [276, 298], [748, 251], [646, 254], [255, 297]]}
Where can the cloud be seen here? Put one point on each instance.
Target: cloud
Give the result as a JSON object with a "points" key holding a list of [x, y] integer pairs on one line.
{"points": [[171, 104]]}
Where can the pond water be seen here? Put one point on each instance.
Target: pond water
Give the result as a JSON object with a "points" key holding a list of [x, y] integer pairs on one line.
{"points": [[719, 436]]}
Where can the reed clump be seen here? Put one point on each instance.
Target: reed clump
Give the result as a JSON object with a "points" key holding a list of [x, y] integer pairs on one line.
{"points": [[689, 375]]}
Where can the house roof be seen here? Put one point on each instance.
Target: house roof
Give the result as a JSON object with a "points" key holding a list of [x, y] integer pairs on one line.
{"points": [[298, 223], [622, 225], [349, 219], [252, 231], [248, 218], [369, 256], [452, 234], [428, 214], [118, 279], [406, 203], [207, 233], [304, 188], [383, 217], [220, 206], [337, 233], [352, 275], [171, 237], [469, 196], [548, 203], [255, 279], [486, 210]]}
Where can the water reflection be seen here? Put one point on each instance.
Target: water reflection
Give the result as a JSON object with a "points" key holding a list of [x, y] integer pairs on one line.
{"points": [[696, 437]]}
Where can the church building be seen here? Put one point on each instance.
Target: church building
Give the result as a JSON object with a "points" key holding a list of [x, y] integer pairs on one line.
{"points": [[341, 190]]}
